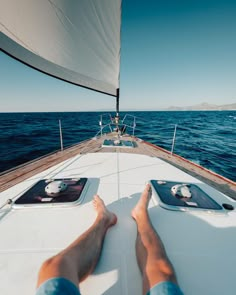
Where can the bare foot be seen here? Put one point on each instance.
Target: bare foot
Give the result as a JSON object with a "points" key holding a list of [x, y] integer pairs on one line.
{"points": [[103, 212], [143, 202]]}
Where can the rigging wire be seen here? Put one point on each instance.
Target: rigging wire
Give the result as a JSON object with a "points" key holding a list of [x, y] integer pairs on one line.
{"points": [[153, 137], [62, 166]]}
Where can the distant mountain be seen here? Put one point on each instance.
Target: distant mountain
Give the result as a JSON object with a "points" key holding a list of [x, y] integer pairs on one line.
{"points": [[204, 107]]}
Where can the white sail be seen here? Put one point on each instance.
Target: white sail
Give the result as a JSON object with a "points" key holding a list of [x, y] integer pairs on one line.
{"points": [[74, 40]]}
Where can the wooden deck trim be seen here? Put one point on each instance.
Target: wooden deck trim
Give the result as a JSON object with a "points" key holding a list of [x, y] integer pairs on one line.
{"points": [[23, 172], [224, 185], [29, 169], [191, 163]]}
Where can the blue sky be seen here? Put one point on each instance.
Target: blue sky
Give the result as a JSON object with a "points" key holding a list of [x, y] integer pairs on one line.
{"points": [[173, 53]]}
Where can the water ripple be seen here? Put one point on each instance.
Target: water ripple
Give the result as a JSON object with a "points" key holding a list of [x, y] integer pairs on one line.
{"points": [[207, 138]]}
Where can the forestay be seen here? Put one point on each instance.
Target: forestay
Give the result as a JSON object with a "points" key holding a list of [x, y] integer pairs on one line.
{"points": [[77, 41]]}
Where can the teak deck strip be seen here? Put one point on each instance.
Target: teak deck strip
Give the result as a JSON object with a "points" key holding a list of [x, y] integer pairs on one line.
{"points": [[22, 172]]}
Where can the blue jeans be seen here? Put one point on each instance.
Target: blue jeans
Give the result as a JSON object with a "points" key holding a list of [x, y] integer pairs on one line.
{"points": [[58, 286], [165, 288], [61, 286]]}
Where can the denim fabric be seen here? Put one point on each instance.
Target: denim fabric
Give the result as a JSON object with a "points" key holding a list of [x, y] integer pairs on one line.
{"points": [[165, 288], [58, 286]]}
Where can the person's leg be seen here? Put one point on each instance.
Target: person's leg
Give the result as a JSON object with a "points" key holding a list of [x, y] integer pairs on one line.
{"points": [[79, 259], [153, 262]]}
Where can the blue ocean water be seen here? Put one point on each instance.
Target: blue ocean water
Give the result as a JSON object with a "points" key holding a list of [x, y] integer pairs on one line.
{"points": [[205, 137]]}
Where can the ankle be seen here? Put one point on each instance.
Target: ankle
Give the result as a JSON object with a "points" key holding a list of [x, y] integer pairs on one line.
{"points": [[106, 219], [141, 217]]}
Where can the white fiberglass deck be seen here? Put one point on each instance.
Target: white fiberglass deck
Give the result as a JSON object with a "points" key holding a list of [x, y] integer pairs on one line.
{"points": [[200, 245]]}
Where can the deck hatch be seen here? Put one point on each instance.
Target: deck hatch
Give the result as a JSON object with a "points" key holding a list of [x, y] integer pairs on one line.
{"points": [[118, 143], [37, 194], [198, 200]]}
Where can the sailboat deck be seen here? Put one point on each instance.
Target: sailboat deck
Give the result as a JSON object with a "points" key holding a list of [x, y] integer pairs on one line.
{"points": [[94, 145], [200, 244]]}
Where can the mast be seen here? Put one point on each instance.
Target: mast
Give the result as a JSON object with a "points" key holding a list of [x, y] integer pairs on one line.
{"points": [[117, 118], [117, 101]]}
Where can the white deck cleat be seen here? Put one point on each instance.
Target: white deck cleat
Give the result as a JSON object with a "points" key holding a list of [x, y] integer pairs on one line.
{"points": [[181, 190], [54, 188]]}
